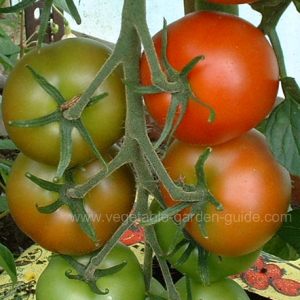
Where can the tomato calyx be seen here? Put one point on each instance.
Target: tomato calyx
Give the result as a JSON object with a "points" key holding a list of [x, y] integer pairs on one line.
{"points": [[66, 126], [91, 279], [181, 93], [75, 205]]}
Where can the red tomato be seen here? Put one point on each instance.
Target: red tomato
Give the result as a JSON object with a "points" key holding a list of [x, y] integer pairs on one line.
{"points": [[246, 179], [238, 77]]}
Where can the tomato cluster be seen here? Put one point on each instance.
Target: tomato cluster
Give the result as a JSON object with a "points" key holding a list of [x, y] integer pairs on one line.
{"points": [[238, 79], [230, 91]]}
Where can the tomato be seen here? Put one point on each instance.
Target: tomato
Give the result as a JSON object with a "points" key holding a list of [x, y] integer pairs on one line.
{"points": [[246, 179], [238, 77], [70, 65], [108, 204], [226, 289], [218, 267], [128, 283]]}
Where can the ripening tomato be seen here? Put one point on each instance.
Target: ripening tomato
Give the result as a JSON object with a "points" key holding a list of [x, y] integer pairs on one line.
{"points": [[246, 179], [219, 267], [70, 65], [126, 284], [238, 77], [107, 204]]}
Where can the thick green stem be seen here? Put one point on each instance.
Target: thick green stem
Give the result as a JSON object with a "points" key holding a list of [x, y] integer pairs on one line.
{"points": [[273, 36]]}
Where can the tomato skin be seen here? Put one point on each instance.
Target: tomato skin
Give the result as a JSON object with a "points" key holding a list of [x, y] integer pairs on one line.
{"points": [[59, 231], [128, 283], [218, 267], [238, 77], [247, 180], [226, 289], [70, 65]]}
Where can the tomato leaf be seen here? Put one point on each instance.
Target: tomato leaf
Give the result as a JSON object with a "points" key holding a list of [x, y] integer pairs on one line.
{"points": [[297, 4], [44, 20], [290, 230], [280, 248], [7, 144], [3, 204], [282, 130], [7, 262], [17, 7], [69, 7]]}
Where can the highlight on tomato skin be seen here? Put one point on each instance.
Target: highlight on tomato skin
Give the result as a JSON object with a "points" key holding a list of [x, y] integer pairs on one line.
{"points": [[245, 178], [238, 77]]}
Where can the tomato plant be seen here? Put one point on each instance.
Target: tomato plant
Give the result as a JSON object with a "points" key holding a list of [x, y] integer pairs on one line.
{"points": [[226, 289], [246, 179], [127, 283], [107, 204], [238, 77], [70, 66], [218, 267]]}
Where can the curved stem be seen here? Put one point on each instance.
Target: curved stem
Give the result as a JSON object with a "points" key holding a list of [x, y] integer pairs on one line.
{"points": [[274, 39]]}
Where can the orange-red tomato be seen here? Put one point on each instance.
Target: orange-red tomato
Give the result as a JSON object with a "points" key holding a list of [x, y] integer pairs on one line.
{"points": [[238, 78], [107, 204], [245, 178]]}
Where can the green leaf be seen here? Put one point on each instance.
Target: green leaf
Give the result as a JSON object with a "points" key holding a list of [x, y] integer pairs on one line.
{"points": [[3, 204], [282, 130], [297, 4], [7, 144], [4, 60], [7, 262], [73, 11], [280, 248], [17, 7], [44, 21], [290, 230]]}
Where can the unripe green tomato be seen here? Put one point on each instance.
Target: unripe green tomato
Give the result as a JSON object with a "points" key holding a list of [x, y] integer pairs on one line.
{"points": [[126, 284], [69, 65], [225, 289]]}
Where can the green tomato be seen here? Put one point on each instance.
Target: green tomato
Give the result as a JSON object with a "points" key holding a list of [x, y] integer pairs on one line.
{"points": [[225, 289], [70, 65], [218, 266], [126, 284]]}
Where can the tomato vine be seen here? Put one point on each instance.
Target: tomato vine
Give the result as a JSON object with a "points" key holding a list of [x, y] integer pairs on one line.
{"points": [[138, 151]]}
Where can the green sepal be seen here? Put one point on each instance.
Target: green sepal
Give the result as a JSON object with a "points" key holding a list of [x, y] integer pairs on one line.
{"points": [[7, 262], [82, 218], [44, 184], [65, 128], [51, 208], [185, 255], [95, 99], [165, 214], [37, 122], [201, 178], [17, 7], [47, 87]]}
